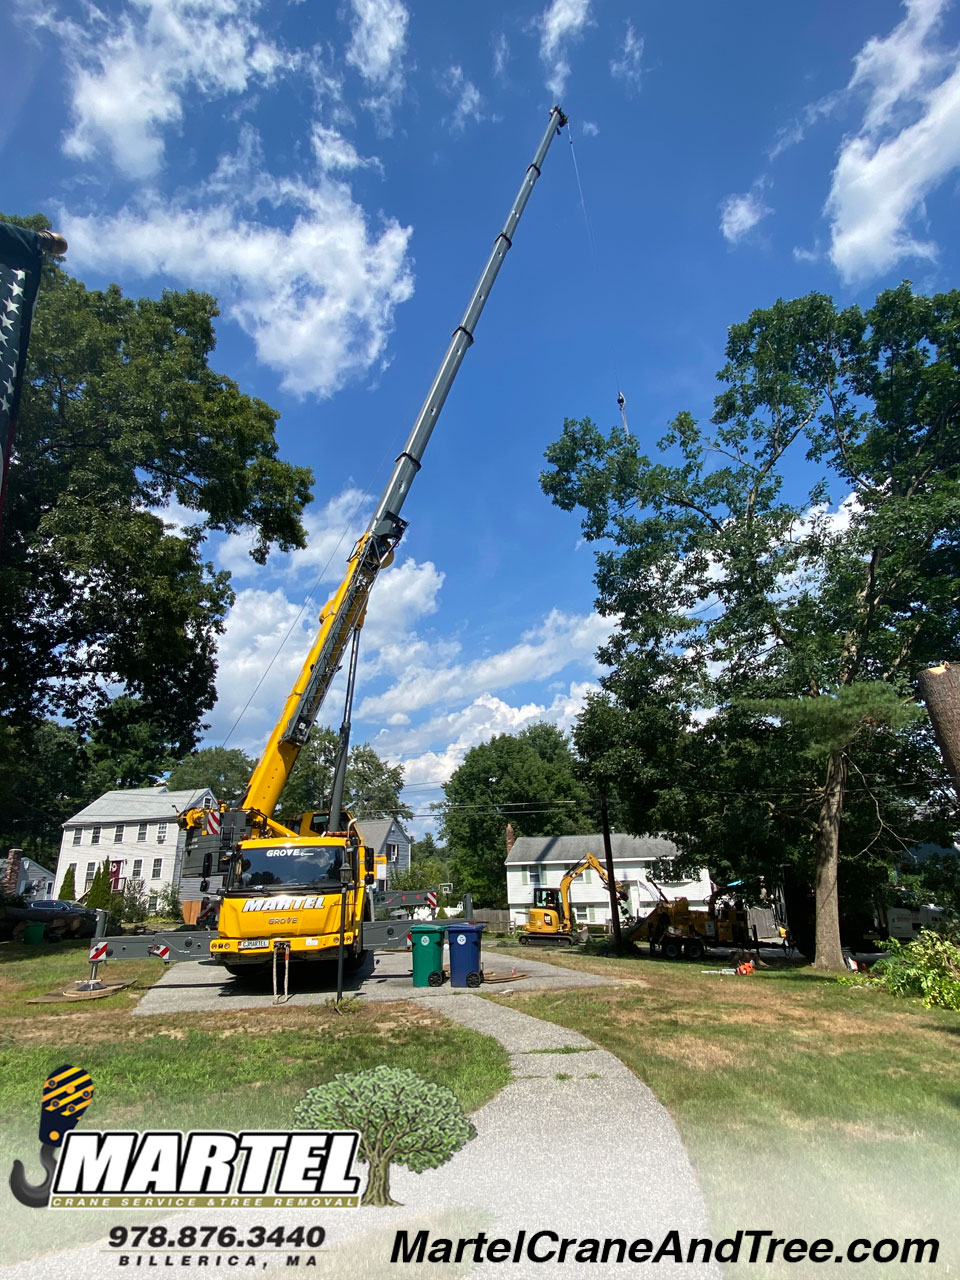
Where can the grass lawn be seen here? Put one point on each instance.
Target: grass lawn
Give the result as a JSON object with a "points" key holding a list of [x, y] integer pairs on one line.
{"points": [[239, 1069], [807, 1107]]}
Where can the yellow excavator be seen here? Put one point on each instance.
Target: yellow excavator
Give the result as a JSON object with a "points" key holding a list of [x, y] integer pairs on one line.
{"points": [[305, 888], [551, 917]]}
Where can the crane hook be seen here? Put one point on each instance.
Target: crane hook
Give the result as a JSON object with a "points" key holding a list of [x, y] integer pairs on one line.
{"points": [[34, 1196], [66, 1095]]}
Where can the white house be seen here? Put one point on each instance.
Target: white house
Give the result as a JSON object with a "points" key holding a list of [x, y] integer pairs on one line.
{"points": [[137, 830], [387, 838], [25, 876], [543, 860]]}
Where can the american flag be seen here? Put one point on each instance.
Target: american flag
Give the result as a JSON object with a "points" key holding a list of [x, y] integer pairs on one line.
{"points": [[21, 259]]}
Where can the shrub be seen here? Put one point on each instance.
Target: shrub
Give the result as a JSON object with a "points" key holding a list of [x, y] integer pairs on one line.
{"points": [[928, 967], [168, 903], [134, 902], [68, 890]]}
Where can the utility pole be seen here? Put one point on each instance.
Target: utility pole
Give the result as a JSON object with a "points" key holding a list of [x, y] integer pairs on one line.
{"points": [[611, 878]]}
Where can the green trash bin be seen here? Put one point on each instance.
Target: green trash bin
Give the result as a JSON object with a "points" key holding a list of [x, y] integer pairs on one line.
{"points": [[33, 934], [427, 946]]}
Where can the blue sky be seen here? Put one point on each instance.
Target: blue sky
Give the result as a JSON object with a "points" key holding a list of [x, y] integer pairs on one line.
{"points": [[336, 174]]}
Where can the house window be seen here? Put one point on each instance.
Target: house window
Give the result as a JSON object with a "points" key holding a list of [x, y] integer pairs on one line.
{"points": [[534, 875], [137, 868], [157, 868], [77, 833], [392, 851], [91, 872], [161, 832], [152, 904], [118, 833], [142, 831], [581, 913], [95, 836]]}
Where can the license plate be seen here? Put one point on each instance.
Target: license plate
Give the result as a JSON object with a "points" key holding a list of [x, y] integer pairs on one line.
{"points": [[254, 944]]}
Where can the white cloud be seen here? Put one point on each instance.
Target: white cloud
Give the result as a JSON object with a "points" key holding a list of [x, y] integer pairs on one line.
{"points": [[629, 65], [334, 152], [806, 255], [331, 533], [376, 49], [467, 108], [317, 296], [501, 53], [479, 721], [907, 143], [541, 653], [561, 23], [739, 214], [588, 129], [793, 133], [129, 72]]}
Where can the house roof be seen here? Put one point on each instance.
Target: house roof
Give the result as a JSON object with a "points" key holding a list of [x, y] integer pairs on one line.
{"points": [[376, 830], [139, 804], [570, 849]]}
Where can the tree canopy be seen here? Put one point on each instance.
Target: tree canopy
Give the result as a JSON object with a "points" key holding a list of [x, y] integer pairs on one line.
{"points": [[225, 770], [402, 1119], [100, 588], [789, 569], [530, 780], [372, 788]]}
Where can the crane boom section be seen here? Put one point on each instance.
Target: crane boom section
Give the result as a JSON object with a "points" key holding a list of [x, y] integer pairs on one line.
{"points": [[408, 463], [340, 617]]}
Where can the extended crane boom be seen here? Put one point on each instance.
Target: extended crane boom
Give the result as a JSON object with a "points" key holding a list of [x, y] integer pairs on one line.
{"points": [[344, 613]]}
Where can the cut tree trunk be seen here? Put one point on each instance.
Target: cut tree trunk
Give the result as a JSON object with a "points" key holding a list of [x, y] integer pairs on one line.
{"points": [[940, 690], [377, 1190], [829, 955]]}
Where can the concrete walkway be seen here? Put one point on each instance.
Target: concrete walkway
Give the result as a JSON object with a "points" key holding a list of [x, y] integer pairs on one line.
{"points": [[574, 1145]]}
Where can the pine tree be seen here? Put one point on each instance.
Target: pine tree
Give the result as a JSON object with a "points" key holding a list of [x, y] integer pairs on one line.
{"points": [[68, 890], [101, 891]]}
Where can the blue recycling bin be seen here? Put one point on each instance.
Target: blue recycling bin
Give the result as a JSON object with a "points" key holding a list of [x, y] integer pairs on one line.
{"points": [[464, 943]]}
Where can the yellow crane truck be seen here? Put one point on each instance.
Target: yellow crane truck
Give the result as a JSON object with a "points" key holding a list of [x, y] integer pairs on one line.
{"points": [[307, 889], [551, 917]]}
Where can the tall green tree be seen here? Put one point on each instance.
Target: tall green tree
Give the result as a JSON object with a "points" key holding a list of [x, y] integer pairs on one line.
{"points": [[225, 770], [731, 584], [372, 787], [100, 589], [528, 779]]}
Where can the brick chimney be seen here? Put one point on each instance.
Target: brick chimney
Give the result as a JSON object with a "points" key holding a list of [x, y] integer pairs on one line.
{"points": [[11, 872], [510, 837]]}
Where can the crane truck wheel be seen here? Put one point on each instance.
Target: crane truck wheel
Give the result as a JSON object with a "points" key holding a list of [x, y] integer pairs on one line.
{"points": [[672, 948], [693, 949]]}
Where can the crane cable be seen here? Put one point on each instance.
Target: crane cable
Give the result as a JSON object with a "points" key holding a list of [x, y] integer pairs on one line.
{"points": [[591, 241]]}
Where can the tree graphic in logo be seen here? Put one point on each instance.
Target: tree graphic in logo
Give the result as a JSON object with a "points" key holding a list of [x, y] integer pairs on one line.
{"points": [[402, 1119]]}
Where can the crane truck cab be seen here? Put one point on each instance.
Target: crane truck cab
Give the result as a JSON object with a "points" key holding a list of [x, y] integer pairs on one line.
{"points": [[293, 889]]}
